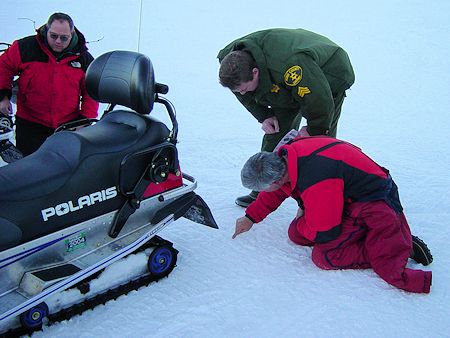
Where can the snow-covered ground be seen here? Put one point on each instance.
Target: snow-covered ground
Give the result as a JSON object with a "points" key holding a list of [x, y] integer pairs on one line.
{"points": [[261, 284]]}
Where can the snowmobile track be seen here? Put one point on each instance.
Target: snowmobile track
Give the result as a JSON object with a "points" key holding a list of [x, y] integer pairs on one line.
{"points": [[91, 303]]}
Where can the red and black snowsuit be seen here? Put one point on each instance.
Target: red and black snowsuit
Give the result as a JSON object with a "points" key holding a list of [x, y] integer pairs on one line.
{"points": [[51, 91], [352, 212]]}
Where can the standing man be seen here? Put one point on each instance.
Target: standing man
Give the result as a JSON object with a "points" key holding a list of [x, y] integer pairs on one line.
{"points": [[349, 209], [51, 66], [280, 75]]}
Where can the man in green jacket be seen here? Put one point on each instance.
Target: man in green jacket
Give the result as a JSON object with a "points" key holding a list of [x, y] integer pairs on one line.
{"points": [[280, 75]]}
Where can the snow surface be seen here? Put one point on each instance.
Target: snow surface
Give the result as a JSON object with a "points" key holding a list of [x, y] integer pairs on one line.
{"points": [[261, 284]]}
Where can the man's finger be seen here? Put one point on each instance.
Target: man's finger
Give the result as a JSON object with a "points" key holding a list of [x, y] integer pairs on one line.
{"points": [[238, 231], [268, 129], [276, 126]]}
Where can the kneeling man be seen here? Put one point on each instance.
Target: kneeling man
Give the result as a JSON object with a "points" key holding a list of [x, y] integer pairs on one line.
{"points": [[349, 209]]}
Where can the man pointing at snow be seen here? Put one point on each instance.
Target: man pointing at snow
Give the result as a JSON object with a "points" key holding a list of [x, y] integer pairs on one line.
{"points": [[349, 209]]}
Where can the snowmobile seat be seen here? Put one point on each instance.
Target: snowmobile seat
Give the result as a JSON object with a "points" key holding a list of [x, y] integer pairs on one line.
{"points": [[68, 165], [54, 163]]}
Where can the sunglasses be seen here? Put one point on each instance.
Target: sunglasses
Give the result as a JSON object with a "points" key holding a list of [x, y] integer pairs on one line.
{"points": [[63, 38]]}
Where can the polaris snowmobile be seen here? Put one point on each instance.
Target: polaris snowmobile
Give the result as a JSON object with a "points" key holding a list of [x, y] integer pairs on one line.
{"points": [[90, 196]]}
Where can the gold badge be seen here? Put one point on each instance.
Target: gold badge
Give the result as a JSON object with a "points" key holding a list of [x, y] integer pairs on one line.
{"points": [[293, 76], [302, 91], [275, 88]]}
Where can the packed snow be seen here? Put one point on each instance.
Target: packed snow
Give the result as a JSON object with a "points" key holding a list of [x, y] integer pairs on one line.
{"points": [[261, 284]]}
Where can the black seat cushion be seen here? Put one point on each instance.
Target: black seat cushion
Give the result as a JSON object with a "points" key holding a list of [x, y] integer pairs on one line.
{"points": [[70, 165]]}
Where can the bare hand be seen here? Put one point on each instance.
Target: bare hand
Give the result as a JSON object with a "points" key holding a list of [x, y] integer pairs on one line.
{"points": [[270, 125], [303, 132], [243, 224], [5, 106]]}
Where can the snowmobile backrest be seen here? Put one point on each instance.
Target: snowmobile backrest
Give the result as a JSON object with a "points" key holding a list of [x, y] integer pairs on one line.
{"points": [[122, 78]]}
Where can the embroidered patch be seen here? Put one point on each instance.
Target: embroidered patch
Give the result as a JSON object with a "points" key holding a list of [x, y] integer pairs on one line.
{"points": [[293, 76], [275, 88], [302, 91]]}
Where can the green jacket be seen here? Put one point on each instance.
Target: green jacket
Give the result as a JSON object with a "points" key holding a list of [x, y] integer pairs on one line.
{"points": [[298, 70]]}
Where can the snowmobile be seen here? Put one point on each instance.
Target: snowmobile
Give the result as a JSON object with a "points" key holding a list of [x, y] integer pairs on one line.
{"points": [[92, 194]]}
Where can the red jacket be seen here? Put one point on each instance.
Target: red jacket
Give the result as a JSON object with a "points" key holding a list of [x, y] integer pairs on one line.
{"points": [[325, 174], [50, 91]]}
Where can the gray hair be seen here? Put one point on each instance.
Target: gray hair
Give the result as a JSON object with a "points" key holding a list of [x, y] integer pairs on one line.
{"points": [[261, 170]]}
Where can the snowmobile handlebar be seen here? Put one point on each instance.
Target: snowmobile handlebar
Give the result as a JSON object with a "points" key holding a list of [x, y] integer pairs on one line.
{"points": [[161, 88], [171, 111]]}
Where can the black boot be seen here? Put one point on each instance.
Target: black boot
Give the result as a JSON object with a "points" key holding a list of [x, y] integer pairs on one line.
{"points": [[421, 254], [244, 201]]}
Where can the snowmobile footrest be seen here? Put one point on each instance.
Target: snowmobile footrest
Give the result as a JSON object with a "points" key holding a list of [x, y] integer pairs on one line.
{"points": [[36, 281]]}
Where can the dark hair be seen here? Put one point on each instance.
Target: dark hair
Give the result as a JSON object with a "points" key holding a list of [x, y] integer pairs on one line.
{"points": [[261, 170], [60, 16], [236, 68]]}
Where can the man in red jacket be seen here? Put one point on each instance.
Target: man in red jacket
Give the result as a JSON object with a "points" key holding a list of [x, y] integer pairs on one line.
{"points": [[51, 90], [349, 209]]}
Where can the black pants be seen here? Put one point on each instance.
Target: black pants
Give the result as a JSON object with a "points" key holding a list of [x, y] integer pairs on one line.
{"points": [[30, 136]]}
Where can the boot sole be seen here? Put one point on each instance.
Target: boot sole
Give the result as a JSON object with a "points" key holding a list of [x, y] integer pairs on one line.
{"points": [[241, 204], [420, 247]]}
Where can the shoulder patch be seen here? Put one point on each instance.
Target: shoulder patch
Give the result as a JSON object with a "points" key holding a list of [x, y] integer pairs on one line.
{"points": [[302, 91], [293, 76]]}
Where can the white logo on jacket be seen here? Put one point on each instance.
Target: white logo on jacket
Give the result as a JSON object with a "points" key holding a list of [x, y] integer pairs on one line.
{"points": [[75, 64]]}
